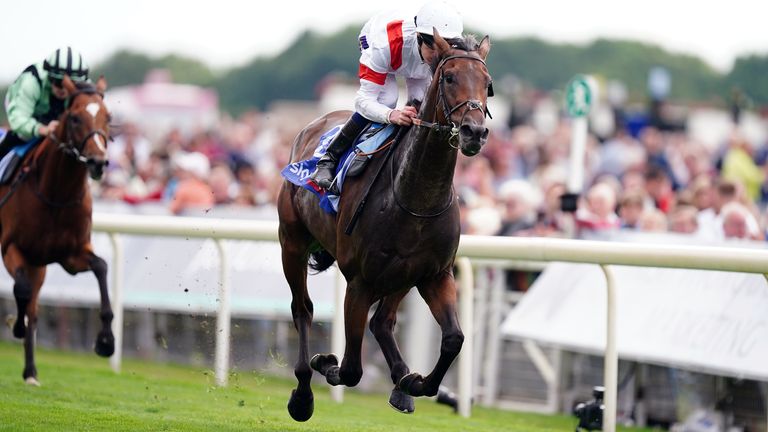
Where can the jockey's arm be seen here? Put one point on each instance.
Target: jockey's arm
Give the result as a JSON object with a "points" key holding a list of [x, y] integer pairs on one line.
{"points": [[20, 106], [367, 102]]}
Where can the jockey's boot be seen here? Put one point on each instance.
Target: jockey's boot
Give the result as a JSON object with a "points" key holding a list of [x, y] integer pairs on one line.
{"points": [[10, 141], [326, 166]]}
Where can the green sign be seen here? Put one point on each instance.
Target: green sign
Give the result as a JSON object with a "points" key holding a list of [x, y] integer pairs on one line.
{"points": [[578, 96]]}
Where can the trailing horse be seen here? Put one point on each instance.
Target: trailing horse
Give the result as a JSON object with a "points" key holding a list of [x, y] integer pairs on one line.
{"points": [[406, 236], [46, 211]]}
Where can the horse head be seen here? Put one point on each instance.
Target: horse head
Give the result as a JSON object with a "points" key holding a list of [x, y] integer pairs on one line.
{"points": [[464, 85], [85, 125]]}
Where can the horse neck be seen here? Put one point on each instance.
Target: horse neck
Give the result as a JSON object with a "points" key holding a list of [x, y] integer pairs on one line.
{"points": [[59, 176], [424, 179]]}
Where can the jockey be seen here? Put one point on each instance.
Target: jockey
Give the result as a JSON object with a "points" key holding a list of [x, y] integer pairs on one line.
{"points": [[36, 99], [391, 45]]}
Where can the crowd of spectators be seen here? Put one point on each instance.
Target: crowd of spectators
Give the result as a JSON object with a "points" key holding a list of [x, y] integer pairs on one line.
{"points": [[653, 180]]}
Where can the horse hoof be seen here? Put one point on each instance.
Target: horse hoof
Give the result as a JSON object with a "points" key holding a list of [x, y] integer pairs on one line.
{"points": [[105, 345], [32, 381], [411, 384], [401, 402], [321, 362], [301, 406]]}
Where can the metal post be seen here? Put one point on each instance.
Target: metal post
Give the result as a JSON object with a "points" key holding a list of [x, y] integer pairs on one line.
{"points": [[480, 294], [223, 317], [493, 342], [579, 131], [337, 329], [465, 318], [611, 366], [117, 300]]}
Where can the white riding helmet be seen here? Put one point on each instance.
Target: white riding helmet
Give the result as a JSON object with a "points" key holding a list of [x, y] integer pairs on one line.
{"points": [[442, 16], [66, 61]]}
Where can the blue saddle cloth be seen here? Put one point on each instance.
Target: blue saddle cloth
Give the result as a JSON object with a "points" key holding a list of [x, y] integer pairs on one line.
{"points": [[20, 150], [299, 172]]}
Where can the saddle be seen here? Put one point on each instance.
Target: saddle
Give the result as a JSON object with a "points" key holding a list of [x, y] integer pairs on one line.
{"points": [[351, 164], [11, 162]]}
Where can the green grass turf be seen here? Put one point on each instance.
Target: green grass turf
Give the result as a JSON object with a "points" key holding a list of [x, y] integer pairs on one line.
{"points": [[80, 392]]}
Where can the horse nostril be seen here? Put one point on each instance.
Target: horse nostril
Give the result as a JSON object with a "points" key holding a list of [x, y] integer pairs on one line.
{"points": [[473, 132]]}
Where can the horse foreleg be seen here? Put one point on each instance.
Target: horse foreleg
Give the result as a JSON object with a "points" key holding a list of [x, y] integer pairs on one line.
{"points": [[35, 275], [440, 295], [105, 340], [301, 404], [356, 305], [382, 326], [22, 293]]}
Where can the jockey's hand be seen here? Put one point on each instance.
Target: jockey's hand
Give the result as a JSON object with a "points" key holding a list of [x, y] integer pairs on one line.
{"points": [[48, 129], [403, 117]]}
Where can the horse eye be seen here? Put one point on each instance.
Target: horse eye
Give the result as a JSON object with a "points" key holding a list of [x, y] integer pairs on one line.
{"points": [[75, 120], [449, 79]]}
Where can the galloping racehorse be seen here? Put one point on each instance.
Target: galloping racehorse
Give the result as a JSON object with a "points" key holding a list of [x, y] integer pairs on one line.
{"points": [[406, 236], [45, 216]]}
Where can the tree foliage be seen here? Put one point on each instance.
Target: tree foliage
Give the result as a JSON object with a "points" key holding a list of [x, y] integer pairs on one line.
{"points": [[296, 72], [750, 75], [128, 67]]}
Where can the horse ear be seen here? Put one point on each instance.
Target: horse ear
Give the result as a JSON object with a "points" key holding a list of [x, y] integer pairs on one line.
{"points": [[484, 47], [68, 85], [101, 85], [442, 46]]}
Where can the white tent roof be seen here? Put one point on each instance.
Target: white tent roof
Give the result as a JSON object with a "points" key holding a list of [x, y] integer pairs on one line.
{"points": [[708, 321]]}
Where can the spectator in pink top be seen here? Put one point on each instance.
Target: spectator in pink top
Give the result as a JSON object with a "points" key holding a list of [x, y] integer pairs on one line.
{"points": [[193, 191]]}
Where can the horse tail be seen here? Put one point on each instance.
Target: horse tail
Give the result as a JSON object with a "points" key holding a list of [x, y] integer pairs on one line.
{"points": [[320, 260]]}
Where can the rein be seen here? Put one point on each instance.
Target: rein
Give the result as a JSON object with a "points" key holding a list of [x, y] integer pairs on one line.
{"points": [[70, 149], [452, 129]]}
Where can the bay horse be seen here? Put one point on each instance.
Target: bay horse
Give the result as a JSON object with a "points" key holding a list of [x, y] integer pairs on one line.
{"points": [[46, 211], [407, 236]]}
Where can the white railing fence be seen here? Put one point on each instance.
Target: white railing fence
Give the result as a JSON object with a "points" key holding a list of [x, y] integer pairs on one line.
{"points": [[475, 247]]}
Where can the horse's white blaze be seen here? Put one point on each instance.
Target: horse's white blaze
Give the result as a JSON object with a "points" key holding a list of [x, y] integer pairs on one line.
{"points": [[99, 143], [93, 109]]}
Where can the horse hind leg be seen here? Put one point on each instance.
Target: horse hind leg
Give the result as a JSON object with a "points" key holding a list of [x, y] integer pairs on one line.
{"points": [[382, 326], [440, 295], [26, 289]]}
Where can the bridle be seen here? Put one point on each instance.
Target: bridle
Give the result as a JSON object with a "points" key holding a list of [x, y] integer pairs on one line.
{"points": [[452, 129], [68, 145], [470, 104]]}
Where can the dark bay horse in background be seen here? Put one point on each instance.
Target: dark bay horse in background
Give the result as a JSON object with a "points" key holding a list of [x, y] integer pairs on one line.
{"points": [[46, 210], [407, 236]]}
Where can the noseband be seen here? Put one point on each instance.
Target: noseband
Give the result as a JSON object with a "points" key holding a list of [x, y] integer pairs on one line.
{"points": [[70, 149], [471, 104]]}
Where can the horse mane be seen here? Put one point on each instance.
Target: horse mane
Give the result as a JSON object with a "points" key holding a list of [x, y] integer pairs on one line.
{"points": [[86, 87], [467, 43]]}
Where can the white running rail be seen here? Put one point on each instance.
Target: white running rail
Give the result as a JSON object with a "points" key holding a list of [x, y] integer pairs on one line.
{"points": [[475, 247]]}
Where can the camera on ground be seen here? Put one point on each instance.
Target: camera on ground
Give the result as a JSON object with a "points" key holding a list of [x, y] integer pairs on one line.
{"points": [[590, 414]]}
